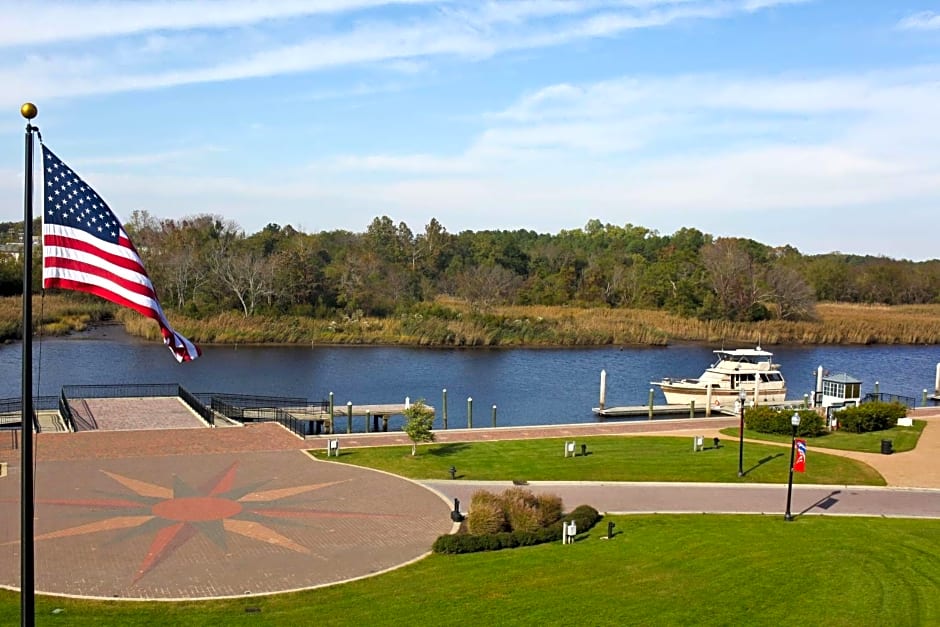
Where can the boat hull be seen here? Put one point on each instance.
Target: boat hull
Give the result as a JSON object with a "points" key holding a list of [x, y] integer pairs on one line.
{"points": [[678, 394]]}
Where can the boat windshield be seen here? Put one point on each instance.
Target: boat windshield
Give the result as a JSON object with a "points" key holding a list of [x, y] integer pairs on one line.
{"points": [[741, 358]]}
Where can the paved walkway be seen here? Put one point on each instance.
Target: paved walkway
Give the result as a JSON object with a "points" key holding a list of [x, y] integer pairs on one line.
{"points": [[208, 513], [712, 498]]}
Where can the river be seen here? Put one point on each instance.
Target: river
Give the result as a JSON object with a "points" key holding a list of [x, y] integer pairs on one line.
{"points": [[528, 386]]}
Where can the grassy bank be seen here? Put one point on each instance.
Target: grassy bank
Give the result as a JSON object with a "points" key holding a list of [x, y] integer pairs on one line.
{"points": [[610, 458], [657, 570], [53, 314], [902, 438], [452, 323]]}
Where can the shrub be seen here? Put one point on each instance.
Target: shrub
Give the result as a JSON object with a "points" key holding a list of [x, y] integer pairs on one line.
{"points": [[550, 508], [523, 516], [769, 420], [584, 517], [486, 517], [873, 416]]}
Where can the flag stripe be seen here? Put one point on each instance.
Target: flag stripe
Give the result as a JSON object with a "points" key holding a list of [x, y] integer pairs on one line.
{"points": [[58, 265], [103, 292], [69, 244]]}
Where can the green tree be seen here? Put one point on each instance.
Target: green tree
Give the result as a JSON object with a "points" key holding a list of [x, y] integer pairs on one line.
{"points": [[419, 418]]}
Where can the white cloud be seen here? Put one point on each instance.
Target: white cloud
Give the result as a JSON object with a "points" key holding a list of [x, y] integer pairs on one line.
{"points": [[925, 20], [55, 21], [472, 30], [620, 150]]}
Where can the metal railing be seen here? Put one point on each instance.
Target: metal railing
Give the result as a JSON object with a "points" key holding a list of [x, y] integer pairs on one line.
{"points": [[82, 418], [884, 397], [239, 407], [11, 411], [196, 405], [65, 411], [125, 390]]}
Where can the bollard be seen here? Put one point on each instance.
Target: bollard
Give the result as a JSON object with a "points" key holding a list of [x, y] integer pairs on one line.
{"points": [[368, 419], [806, 401], [651, 403], [584, 450], [349, 417], [331, 405], [924, 399], [469, 412], [691, 409], [455, 515], [453, 472], [444, 407], [610, 530], [494, 415]]}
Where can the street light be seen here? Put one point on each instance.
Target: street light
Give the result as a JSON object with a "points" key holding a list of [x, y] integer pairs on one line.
{"points": [[742, 397], [794, 422]]}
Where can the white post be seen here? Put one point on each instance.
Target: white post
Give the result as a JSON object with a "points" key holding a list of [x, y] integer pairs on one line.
{"points": [[604, 386], [756, 386], [407, 402], [817, 397], [936, 384], [708, 401]]}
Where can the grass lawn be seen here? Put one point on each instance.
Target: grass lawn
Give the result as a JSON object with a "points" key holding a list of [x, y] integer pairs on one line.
{"points": [[610, 458], [657, 570], [903, 438]]}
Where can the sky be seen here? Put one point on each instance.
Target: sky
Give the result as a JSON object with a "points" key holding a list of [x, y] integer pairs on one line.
{"points": [[810, 123]]}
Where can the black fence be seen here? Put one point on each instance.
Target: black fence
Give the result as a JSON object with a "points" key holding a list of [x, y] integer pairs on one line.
{"points": [[910, 401], [245, 408], [126, 390], [251, 401], [196, 405], [11, 411], [72, 407]]}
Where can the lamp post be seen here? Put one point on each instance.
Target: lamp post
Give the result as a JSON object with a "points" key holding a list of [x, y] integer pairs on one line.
{"points": [[742, 397], [794, 422]]}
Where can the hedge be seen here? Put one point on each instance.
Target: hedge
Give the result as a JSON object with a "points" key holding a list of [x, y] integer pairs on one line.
{"points": [[765, 419], [873, 416], [584, 517]]}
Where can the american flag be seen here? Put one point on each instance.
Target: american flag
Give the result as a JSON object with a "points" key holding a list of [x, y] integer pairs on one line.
{"points": [[85, 248], [799, 464]]}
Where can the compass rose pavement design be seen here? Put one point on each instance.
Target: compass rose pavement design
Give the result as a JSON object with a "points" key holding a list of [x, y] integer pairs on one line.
{"points": [[215, 525]]}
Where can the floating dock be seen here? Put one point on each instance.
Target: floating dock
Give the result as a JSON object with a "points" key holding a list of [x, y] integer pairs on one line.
{"points": [[689, 411], [652, 411]]}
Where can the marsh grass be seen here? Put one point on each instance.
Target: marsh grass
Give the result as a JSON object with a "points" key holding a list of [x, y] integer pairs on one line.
{"points": [[53, 314], [451, 322]]}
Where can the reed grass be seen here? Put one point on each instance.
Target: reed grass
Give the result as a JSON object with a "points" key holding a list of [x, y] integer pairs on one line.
{"points": [[53, 314], [451, 322]]}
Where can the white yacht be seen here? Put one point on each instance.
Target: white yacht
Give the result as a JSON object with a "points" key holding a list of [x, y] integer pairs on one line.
{"points": [[750, 370]]}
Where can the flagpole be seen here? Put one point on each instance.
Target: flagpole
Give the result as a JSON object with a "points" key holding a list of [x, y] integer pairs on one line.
{"points": [[27, 582]]}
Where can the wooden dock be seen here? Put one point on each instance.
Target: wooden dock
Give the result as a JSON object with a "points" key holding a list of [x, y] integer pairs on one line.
{"points": [[689, 411], [638, 411]]}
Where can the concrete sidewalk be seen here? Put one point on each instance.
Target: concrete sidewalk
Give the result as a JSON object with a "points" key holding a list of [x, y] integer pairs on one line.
{"points": [[661, 498]]}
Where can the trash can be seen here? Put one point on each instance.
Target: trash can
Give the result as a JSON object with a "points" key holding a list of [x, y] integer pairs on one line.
{"points": [[886, 447]]}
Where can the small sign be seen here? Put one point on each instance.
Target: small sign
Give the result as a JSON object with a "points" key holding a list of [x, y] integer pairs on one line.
{"points": [[799, 462]]}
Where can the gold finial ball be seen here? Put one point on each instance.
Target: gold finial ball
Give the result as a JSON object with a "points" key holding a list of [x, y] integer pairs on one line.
{"points": [[28, 111]]}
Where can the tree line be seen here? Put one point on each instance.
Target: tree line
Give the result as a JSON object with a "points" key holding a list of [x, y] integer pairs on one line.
{"points": [[206, 264]]}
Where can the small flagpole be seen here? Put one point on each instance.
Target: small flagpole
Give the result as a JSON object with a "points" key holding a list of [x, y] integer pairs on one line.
{"points": [[27, 583]]}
